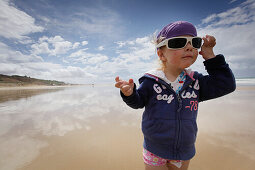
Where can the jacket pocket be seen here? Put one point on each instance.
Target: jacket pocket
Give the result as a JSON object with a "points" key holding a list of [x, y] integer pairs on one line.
{"points": [[163, 111], [189, 133], [159, 131]]}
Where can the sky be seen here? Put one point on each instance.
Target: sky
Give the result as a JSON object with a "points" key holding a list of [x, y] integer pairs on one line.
{"points": [[93, 41]]}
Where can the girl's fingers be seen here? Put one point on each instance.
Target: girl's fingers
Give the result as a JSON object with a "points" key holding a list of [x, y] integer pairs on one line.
{"points": [[131, 81], [209, 41], [121, 83], [118, 84], [125, 88], [117, 79], [205, 41]]}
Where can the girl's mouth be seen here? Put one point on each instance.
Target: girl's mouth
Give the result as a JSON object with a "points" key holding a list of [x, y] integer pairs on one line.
{"points": [[186, 57]]}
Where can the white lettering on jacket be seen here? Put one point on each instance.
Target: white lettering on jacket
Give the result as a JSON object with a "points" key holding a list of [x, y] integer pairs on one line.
{"points": [[196, 85], [188, 95], [165, 97], [157, 88]]}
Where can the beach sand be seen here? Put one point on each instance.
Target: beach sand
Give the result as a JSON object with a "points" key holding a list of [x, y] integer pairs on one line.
{"points": [[121, 149], [113, 141]]}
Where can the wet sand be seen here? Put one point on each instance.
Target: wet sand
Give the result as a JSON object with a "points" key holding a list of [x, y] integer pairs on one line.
{"points": [[109, 137], [15, 93], [121, 149], [212, 154], [105, 146]]}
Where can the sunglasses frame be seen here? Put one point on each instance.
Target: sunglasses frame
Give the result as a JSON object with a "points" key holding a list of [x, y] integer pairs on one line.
{"points": [[188, 39]]}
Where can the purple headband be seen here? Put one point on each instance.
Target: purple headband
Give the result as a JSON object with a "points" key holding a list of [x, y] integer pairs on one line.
{"points": [[178, 28]]}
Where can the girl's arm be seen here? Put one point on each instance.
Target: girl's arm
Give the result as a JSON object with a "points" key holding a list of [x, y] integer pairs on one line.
{"points": [[135, 98], [220, 80]]}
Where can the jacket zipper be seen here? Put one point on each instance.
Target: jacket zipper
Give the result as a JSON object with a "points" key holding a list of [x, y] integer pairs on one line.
{"points": [[176, 149], [179, 125], [177, 143], [179, 118]]}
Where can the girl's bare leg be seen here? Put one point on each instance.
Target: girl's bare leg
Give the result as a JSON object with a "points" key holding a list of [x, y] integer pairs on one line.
{"points": [[149, 167], [185, 166]]}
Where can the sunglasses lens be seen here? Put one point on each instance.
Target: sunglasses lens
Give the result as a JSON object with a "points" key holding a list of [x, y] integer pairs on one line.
{"points": [[177, 42], [197, 42]]}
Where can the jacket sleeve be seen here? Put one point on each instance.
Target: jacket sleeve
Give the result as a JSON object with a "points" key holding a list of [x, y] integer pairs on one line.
{"points": [[220, 80], [140, 96]]}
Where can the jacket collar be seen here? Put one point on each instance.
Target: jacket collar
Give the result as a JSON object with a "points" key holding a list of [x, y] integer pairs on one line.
{"points": [[159, 75]]}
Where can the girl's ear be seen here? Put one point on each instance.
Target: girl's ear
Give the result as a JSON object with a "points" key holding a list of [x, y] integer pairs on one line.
{"points": [[161, 55]]}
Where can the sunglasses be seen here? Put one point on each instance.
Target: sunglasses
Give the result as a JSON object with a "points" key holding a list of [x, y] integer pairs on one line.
{"points": [[181, 42]]}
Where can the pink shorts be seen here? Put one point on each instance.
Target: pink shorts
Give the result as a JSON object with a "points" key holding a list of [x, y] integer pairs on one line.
{"points": [[153, 160]]}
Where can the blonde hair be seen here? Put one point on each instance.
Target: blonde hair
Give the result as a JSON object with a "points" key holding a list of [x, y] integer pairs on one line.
{"points": [[156, 41]]}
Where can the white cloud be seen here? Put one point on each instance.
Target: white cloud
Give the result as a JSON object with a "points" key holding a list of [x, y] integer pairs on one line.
{"points": [[232, 1], [134, 58], [97, 59], [61, 47], [84, 57], [15, 23], [209, 19], [238, 15], [15, 62], [78, 53], [84, 43], [52, 46], [49, 71], [101, 48], [42, 48], [10, 56], [76, 45], [72, 73]]}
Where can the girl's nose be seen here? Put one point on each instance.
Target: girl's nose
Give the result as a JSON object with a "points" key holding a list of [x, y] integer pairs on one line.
{"points": [[188, 47]]}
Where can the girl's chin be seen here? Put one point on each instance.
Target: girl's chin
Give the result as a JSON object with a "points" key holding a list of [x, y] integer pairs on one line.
{"points": [[187, 64]]}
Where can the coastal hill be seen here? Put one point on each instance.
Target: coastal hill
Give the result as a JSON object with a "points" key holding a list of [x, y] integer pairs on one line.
{"points": [[15, 80]]}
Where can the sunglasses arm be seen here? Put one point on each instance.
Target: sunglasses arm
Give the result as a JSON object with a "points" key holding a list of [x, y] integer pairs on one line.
{"points": [[161, 44]]}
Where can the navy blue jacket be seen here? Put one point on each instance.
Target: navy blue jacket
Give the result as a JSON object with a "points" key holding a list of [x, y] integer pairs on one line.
{"points": [[169, 119]]}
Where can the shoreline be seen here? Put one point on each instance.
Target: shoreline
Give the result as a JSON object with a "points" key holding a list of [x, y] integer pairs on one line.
{"points": [[27, 87]]}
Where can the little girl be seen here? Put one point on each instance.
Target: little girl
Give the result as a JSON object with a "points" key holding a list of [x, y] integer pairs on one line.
{"points": [[171, 95]]}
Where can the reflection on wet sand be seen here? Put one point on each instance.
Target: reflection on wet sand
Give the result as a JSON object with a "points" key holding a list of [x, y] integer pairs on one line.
{"points": [[109, 144], [16, 147], [7, 94], [91, 128]]}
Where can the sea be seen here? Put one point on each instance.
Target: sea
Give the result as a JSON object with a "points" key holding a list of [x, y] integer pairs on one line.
{"points": [[245, 81]]}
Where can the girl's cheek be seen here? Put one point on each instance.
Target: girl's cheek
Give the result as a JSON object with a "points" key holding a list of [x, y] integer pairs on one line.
{"points": [[177, 53]]}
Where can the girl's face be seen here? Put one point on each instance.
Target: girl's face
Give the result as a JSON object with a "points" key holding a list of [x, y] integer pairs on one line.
{"points": [[178, 59]]}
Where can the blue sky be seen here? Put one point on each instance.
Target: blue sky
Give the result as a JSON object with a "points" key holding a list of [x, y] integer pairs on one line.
{"points": [[92, 41]]}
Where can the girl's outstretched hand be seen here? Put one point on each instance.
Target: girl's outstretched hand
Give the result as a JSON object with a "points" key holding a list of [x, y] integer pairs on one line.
{"points": [[207, 47], [125, 87]]}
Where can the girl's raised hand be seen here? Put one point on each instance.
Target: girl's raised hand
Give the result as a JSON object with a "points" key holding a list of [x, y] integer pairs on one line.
{"points": [[207, 47], [125, 87]]}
